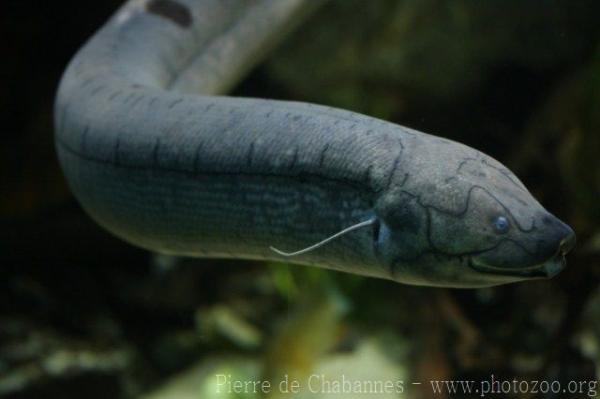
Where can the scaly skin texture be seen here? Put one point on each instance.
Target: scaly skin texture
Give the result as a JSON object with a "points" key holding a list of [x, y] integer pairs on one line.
{"points": [[210, 176]]}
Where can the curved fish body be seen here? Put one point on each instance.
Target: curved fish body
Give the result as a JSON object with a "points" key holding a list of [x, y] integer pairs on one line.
{"points": [[155, 155]]}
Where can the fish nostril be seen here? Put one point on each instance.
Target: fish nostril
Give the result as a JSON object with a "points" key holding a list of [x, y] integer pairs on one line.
{"points": [[567, 243]]}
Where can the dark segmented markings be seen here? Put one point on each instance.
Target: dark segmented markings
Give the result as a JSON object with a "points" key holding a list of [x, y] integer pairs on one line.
{"points": [[368, 174], [322, 155], [461, 212], [137, 100], [392, 172], [174, 103], [197, 154], [502, 171], [354, 184], [97, 90], [320, 169], [171, 10], [86, 82], [114, 95], [250, 154]]}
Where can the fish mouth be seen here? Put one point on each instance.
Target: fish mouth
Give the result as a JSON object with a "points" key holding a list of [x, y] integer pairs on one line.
{"points": [[547, 269]]}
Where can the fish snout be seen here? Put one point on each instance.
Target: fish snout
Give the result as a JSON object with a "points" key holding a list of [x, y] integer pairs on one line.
{"points": [[567, 243], [559, 239]]}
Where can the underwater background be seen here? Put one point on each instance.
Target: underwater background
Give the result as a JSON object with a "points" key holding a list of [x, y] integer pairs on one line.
{"points": [[83, 314]]}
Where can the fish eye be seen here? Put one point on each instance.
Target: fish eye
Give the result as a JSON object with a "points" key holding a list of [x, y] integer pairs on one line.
{"points": [[501, 224]]}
